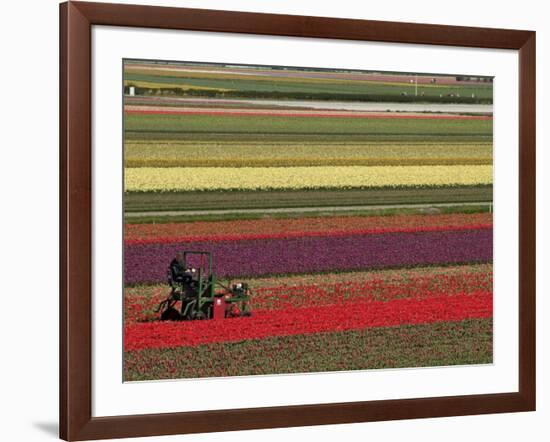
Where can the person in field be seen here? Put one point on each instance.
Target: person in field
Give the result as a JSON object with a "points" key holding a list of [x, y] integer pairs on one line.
{"points": [[182, 279], [177, 269]]}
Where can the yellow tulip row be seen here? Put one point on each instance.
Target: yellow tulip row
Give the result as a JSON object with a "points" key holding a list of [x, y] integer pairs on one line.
{"points": [[160, 179]]}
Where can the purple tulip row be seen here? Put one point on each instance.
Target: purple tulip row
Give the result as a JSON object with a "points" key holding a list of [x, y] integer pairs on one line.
{"points": [[149, 263]]}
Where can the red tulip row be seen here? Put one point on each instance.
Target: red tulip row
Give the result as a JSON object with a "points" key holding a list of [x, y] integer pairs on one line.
{"points": [[290, 235], [144, 233], [294, 321], [322, 289], [284, 296]]}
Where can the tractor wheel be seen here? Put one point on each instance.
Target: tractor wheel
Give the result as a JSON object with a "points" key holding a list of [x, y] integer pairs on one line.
{"points": [[170, 314]]}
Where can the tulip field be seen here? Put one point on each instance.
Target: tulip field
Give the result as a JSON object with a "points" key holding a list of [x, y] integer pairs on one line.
{"points": [[366, 236]]}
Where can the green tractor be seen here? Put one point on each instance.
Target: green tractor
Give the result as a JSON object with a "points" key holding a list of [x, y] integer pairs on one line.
{"points": [[196, 294]]}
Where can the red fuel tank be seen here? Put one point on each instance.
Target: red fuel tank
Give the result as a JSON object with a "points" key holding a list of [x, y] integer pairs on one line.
{"points": [[219, 308]]}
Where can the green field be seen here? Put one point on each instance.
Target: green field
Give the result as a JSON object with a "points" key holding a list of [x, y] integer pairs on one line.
{"points": [[269, 85], [252, 84], [268, 125], [181, 201], [182, 217], [238, 141], [338, 292], [260, 138]]}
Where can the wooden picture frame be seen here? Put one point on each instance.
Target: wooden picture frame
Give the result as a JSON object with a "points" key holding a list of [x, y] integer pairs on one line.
{"points": [[76, 21]]}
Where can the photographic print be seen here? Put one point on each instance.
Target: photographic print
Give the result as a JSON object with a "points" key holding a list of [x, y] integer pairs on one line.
{"points": [[283, 220]]}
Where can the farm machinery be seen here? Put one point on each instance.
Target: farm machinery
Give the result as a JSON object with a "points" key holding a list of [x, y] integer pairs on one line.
{"points": [[197, 294]]}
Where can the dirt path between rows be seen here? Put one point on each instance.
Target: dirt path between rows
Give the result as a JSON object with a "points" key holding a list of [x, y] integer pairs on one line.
{"points": [[299, 209], [152, 110], [324, 105]]}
